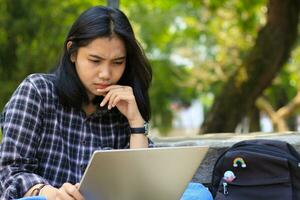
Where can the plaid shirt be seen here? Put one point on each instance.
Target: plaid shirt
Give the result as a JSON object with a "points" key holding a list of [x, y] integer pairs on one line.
{"points": [[44, 142]]}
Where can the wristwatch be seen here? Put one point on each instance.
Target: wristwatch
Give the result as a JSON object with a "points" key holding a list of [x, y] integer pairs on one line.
{"points": [[140, 130]]}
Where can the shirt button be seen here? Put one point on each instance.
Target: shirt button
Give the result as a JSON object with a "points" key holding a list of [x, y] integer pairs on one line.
{"points": [[82, 167], [83, 142]]}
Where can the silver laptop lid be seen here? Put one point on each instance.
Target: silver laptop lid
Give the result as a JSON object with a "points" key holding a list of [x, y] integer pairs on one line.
{"points": [[140, 174]]}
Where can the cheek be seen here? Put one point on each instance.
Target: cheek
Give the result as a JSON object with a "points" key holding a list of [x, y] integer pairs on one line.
{"points": [[79, 67], [84, 70], [121, 71]]}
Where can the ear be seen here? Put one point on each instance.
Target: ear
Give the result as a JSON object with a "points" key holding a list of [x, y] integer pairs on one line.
{"points": [[72, 57]]}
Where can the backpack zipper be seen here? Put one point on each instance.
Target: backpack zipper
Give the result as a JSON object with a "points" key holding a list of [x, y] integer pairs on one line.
{"points": [[268, 152], [225, 188]]}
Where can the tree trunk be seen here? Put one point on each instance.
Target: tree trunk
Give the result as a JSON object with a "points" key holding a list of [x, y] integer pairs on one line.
{"points": [[254, 123], [270, 52]]}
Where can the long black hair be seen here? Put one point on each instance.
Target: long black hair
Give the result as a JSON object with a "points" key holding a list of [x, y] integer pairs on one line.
{"points": [[97, 22]]}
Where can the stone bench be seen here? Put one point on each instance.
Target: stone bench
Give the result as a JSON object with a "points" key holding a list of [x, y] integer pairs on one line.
{"points": [[218, 143]]}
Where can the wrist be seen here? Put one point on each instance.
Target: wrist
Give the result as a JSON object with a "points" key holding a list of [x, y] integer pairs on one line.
{"points": [[138, 141], [139, 122], [140, 129], [49, 191], [43, 189], [35, 190]]}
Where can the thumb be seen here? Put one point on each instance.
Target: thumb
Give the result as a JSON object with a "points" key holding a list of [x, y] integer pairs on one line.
{"points": [[77, 185]]}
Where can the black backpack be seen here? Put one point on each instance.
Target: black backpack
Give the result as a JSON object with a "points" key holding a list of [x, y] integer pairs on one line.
{"points": [[257, 170]]}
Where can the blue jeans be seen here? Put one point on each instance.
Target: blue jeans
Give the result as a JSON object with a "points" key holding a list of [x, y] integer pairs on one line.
{"points": [[33, 198], [196, 191]]}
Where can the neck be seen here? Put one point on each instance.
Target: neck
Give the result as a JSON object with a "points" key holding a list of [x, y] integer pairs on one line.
{"points": [[89, 108]]}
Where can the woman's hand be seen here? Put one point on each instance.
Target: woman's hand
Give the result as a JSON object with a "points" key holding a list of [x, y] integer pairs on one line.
{"points": [[66, 192], [123, 98]]}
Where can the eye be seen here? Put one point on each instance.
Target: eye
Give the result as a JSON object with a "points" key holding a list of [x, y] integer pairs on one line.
{"points": [[95, 61], [119, 62]]}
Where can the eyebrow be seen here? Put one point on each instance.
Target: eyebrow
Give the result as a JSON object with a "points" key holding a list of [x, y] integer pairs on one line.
{"points": [[101, 58]]}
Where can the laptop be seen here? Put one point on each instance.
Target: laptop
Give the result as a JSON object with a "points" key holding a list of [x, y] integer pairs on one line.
{"points": [[141, 174]]}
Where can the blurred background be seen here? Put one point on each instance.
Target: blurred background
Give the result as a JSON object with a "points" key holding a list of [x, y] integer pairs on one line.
{"points": [[219, 66]]}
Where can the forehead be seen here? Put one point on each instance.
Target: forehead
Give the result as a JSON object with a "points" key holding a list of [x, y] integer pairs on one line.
{"points": [[105, 47]]}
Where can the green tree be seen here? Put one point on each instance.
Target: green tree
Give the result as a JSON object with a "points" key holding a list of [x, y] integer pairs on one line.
{"points": [[194, 47], [269, 54], [212, 35], [31, 37]]}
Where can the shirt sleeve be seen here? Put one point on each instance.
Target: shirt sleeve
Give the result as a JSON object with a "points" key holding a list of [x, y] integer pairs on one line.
{"points": [[151, 143], [21, 122]]}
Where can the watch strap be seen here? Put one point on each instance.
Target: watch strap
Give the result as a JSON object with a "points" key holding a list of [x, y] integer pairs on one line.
{"points": [[140, 130]]}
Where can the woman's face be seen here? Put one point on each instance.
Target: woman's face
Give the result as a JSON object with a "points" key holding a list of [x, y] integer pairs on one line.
{"points": [[101, 63]]}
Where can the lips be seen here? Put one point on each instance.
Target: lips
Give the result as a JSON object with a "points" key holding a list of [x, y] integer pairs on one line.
{"points": [[101, 86]]}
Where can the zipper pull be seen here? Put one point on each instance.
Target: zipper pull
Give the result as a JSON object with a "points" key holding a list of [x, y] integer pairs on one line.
{"points": [[225, 190]]}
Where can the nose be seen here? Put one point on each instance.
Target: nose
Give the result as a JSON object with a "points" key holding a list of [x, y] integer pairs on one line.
{"points": [[104, 72]]}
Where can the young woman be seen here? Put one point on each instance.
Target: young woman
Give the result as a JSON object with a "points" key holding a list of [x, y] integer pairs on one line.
{"points": [[97, 98]]}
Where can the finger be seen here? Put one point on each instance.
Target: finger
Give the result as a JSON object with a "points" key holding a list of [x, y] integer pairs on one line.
{"points": [[105, 99], [104, 91], [107, 89], [77, 185], [72, 191], [113, 87], [63, 195], [76, 194], [121, 94], [115, 101], [113, 91], [124, 97], [111, 99]]}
